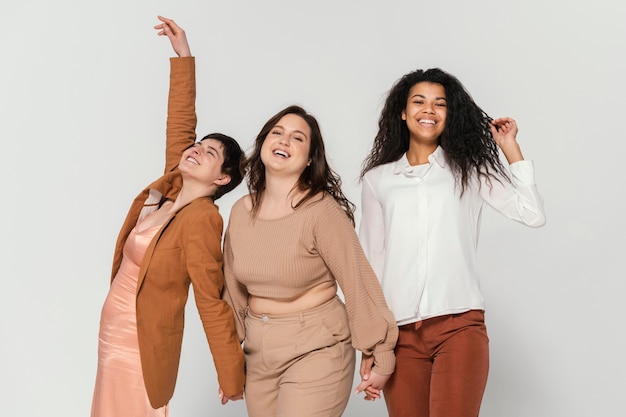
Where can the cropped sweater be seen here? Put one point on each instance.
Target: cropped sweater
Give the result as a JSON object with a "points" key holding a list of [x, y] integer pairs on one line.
{"points": [[284, 257]]}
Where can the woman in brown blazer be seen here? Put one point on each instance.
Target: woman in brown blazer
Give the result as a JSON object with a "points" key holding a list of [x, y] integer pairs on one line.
{"points": [[171, 238]]}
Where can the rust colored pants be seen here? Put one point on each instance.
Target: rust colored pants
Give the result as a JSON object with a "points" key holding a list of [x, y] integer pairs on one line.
{"points": [[441, 367], [299, 365]]}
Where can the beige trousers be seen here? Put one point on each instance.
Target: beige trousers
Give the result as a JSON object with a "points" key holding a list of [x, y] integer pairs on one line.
{"points": [[299, 365]]}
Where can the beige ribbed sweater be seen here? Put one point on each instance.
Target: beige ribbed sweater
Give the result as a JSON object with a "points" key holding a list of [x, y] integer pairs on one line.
{"points": [[284, 257]]}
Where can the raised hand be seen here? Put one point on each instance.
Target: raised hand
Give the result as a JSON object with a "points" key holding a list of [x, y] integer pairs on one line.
{"points": [[504, 131], [176, 35]]}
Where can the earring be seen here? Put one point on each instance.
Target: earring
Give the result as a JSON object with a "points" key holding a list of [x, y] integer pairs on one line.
{"points": [[308, 163]]}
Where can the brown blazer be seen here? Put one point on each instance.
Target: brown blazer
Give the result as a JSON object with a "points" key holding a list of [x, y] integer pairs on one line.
{"points": [[186, 250]]}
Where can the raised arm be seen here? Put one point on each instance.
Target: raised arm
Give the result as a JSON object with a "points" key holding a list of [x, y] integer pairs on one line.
{"points": [[181, 105], [521, 202]]}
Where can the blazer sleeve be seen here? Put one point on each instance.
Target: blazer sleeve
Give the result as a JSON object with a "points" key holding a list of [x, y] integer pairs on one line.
{"points": [[203, 254], [181, 110]]}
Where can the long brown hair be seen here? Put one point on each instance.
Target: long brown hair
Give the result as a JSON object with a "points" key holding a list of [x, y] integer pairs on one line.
{"points": [[317, 176]]}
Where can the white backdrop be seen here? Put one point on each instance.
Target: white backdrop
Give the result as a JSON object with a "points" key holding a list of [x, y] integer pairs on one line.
{"points": [[82, 116]]}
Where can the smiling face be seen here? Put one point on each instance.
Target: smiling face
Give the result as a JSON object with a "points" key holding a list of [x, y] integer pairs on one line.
{"points": [[287, 145], [425, 112], [203, 162]]}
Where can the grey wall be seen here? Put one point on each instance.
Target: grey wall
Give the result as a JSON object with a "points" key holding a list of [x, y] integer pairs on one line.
{"points": [[82, 116]]}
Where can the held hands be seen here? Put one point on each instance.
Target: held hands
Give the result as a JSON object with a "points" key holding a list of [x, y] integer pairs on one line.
{"points": [[504, 131], [224, 399], [371, 382], [175, 34]]}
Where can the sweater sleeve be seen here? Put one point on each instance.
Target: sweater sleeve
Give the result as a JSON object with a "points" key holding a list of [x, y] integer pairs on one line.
{"points": [[181, 110], [202, 246], [235, 294], [374, 330]]}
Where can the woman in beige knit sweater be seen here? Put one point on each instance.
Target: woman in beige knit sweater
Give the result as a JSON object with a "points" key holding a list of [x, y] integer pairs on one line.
{"points": [[287, 246]]}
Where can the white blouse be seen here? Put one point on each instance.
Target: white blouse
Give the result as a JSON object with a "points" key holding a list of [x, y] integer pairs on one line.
{"points": [[421, 237]]}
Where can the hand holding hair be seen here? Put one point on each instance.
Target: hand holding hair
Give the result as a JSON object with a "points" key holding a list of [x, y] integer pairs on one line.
{"points": [[504, 131]]}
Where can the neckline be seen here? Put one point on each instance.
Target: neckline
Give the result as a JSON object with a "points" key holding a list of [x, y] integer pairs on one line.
{"points": [[307, 204], [156, 226]]}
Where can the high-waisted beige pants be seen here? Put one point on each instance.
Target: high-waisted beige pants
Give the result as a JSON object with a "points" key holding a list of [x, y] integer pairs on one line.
{"points": [[300, 364]]}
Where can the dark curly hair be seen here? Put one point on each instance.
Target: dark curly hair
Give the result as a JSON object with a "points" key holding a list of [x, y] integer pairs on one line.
{"points": [[317, 177], [466, 139]]}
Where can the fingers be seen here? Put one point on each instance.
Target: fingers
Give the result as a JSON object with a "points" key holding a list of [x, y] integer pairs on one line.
{"points": [[168, 27], [504, 125], [224, 399], [362, 387], [366, 366], [372, 383], [368, 388], [232, 398], [175, 34], [168, 22], [365, 371], [371, 393], [504, 131]]}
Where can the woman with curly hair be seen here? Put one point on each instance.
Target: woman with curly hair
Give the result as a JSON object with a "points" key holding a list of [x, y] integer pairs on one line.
{"points": [[434, 163], [287, 246]]}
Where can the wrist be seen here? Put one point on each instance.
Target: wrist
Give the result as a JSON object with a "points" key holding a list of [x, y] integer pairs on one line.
{"points": [[513, 153]]}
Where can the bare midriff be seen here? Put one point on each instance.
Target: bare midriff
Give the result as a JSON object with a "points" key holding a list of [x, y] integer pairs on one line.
{"points": [[312, 298]]}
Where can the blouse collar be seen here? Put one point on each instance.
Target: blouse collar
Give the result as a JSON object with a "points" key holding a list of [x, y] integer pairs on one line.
{"points": [[402, 166]]}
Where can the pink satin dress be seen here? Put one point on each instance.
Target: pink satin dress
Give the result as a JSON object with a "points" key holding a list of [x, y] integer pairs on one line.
{"points": [[120, 389]]}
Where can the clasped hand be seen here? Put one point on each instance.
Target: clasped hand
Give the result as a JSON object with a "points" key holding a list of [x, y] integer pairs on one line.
{"points": [[372, 383]]}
